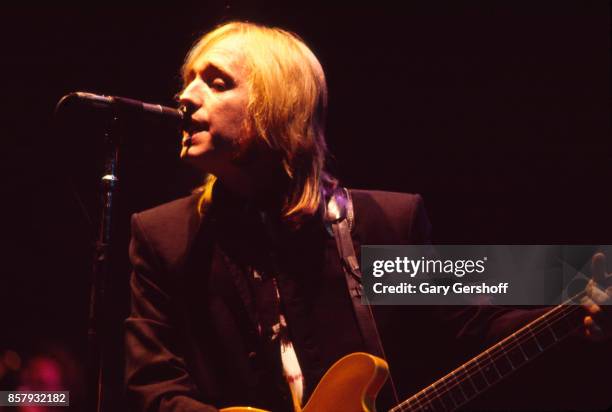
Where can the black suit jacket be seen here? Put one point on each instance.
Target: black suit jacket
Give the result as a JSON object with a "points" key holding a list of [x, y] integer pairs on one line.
{"points": [[192, 338]]}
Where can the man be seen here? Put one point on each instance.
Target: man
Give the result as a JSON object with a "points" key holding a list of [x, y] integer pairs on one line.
{"points": [[238, 292]]}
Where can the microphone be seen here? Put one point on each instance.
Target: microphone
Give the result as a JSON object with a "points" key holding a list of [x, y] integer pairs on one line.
{"points": [[123, 105]]}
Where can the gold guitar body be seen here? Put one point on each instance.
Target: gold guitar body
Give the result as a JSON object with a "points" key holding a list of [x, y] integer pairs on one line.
{"points": [[350, 385]]}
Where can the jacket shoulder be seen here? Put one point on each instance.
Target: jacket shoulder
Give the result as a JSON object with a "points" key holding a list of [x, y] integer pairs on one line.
{"points": [[171, 212], [168, 229], [387, 199], [383, 217]]}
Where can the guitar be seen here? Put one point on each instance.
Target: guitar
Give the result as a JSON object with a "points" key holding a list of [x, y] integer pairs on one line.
{"points": [[354, 381]]}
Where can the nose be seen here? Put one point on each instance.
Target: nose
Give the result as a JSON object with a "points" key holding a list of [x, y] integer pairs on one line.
{"points": [[191, 100], [193, 94]]}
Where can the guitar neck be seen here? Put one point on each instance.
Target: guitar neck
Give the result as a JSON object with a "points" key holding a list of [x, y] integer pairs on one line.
{"points": [[497, 362]]}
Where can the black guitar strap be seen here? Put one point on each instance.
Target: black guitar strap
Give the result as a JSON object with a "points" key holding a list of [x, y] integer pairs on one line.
{"points": [[339, 220]]}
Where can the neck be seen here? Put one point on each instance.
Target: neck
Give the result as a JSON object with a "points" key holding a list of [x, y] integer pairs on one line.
{"points": [[236, 187], [238, 183]]}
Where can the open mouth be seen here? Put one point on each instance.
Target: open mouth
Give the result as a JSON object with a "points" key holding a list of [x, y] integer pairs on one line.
{"points": [[192, 129], [192, 138]]}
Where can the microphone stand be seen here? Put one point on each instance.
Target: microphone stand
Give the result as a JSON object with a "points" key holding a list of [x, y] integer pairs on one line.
{"points": [[97, 333], [98, 340]]}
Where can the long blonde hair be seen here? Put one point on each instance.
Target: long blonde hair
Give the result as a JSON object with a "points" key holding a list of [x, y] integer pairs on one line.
{"points": [[286, 109]]}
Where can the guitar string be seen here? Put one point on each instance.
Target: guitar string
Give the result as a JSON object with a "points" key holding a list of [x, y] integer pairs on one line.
{"points": [[470, 369], [554, 315], [495, 352]]}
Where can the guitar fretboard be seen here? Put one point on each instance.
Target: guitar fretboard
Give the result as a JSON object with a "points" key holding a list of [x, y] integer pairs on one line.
{"points": [[497, 362]]}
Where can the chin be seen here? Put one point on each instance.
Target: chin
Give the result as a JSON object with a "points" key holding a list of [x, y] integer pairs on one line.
{"points": [[193, 152], [199, 158]]}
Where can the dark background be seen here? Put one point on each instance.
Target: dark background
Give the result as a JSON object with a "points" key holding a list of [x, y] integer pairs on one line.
{"points": [[498, 113]]}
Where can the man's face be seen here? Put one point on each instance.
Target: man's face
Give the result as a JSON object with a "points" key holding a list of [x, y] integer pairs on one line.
{"points": [[218, 91]]}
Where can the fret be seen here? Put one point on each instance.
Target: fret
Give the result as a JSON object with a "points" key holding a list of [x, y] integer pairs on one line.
{"points": [[535, 337], [515, 354], [426, 406], [456, 391], [437, 403], [426, 400], [530, 345], [521, 340], [546, 337], [447, 400], [551, 329], [410, 404], [448, 396], [471, 389], [420, 402], [560, 327], [463, 381], [489, 370], [502, 362], [477, 377]]}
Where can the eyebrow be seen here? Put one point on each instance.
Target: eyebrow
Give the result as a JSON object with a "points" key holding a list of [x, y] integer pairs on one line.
{"points": [[214, 68]]}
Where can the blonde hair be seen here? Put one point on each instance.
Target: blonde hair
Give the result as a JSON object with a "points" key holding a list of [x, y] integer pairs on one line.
{"points": [[286, 108]]}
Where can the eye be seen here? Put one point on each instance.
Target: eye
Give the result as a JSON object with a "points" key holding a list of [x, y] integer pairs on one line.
{"points": [[219, 84]]}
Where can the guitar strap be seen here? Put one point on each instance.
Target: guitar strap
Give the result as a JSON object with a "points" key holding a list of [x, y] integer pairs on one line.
{"points": [[339, 220]]}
